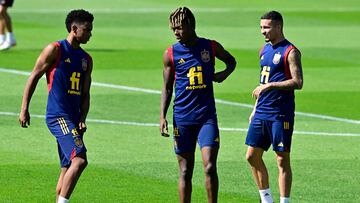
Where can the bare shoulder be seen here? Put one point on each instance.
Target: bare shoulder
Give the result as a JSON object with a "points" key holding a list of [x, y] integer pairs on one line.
{"points": [[218, 46], [50, 52], [52, 47], [294, 55], [166, 58]]}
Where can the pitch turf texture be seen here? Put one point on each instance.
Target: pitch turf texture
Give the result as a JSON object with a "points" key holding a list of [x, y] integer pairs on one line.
{"points": [[132, 163]]}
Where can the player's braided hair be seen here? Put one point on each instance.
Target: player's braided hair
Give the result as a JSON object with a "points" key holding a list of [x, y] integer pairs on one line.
{"points": [[182, 16], [78, 16]]}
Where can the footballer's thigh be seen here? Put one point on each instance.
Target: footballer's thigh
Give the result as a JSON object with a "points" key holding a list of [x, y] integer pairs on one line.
{"points": [[258, 135], [209, 135], [281, 135], [209, 142], [69, 140], [185, 137]]}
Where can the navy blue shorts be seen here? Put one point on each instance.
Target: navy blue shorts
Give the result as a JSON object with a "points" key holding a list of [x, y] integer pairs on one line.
{"points": [[186, 136], [69, 139], [7, 3], [263, 133]]}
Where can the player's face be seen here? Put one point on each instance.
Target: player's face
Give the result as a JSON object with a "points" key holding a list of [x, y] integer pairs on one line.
{"points": [[182, 33], [83, 32], [268, 29]]}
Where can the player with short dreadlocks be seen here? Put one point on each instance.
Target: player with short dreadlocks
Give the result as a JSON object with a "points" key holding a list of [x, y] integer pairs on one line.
{"points": [[182, 16], [190, 65]]}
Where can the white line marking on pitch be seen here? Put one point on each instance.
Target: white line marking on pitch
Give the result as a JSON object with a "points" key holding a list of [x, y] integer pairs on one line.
{"points": [[220, 101], [157, 125], [167, 10]]}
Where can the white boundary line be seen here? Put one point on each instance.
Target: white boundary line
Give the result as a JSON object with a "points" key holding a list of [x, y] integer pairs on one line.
{"points": [[168, 10], [220, 101], [114, 122]]}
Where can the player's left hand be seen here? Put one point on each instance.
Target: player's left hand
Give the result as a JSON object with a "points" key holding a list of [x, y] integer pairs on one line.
{"points": [[219, 77], [82, 127], [260, 89]]}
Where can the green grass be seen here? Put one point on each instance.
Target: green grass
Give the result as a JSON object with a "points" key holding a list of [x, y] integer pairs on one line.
{"points": [[134, 163]]}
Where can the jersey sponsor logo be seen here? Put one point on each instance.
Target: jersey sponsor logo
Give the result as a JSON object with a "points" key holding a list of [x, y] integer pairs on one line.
{"points": [[74, 132], [75, 83], [195, 73], [265, 74], [67, 60], [205, 56], [84, 64], [181, 61], [277, 57]]}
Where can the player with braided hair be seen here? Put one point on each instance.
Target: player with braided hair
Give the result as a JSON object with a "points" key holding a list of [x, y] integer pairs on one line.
{"points": [[190, 65], [182, 15]]}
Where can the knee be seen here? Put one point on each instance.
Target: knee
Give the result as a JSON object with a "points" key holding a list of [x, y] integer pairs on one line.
{"points": [[251, 158], [80, 163], [210, 169], [185, 173], [83, 163], [283, 162]]}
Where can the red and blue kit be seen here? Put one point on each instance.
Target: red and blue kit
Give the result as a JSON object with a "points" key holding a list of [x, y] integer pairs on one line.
{"points": [[65, 81], [194, 105], [274, 116]]}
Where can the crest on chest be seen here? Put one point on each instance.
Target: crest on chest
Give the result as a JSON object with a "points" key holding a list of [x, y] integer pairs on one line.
{"points": [[84, 64], [277, 57], [205, 55]]}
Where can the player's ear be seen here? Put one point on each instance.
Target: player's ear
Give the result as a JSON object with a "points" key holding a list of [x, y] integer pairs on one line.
{"points": [[74, 28]]}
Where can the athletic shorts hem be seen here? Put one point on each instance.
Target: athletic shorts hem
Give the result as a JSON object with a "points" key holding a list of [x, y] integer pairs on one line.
{"points": [[253, 145], [210, 145]]}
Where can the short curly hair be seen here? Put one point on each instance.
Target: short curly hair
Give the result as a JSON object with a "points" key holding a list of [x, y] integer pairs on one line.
{"points": [[78, 16]]}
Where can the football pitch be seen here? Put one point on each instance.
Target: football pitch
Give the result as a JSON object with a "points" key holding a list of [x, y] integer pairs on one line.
{"points": [[128, 159]]}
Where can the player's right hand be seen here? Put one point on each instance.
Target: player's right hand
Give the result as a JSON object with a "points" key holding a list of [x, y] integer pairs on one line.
{"points": [[82, 127], [164, 128], [24, 119]]}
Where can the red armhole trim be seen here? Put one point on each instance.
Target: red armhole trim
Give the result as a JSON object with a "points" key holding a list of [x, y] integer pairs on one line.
{"points": [[171, 56], [286, 65], [50, 73], [213, 47], [90, 63]]}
